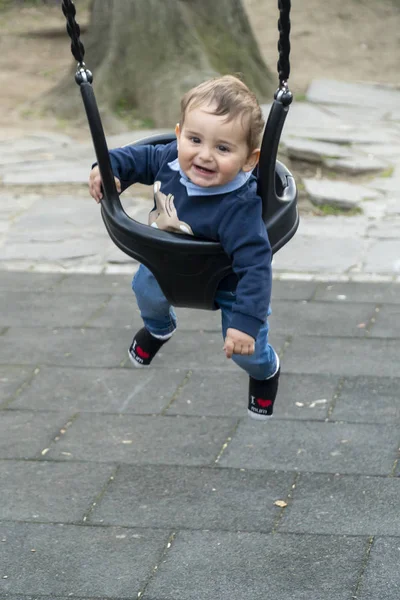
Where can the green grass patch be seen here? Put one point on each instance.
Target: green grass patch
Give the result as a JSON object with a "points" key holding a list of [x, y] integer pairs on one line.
{"points": [[129, 115], [387, 172], [328, 209]]}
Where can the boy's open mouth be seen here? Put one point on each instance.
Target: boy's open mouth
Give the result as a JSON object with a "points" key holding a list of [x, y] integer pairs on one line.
{"points": [[203, 170]]}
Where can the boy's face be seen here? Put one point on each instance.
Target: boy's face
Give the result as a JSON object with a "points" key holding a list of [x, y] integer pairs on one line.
{"points": [[212, 150]]}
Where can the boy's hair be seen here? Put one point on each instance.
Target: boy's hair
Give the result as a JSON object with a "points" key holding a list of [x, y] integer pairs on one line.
{"points": [[233, 98]]}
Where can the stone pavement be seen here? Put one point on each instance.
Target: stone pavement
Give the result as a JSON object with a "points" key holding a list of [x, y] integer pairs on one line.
{"points": [[122, 483], [118, 483], [49, 223]]}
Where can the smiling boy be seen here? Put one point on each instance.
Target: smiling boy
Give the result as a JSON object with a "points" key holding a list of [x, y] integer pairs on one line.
{"points": [[204, 184]]}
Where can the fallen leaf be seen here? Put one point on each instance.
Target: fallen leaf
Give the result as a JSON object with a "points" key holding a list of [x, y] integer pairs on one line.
{"points": [[280, 503]]}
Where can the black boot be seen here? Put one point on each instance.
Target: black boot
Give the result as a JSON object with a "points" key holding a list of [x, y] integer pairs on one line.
{"points": [[262, 394], [144, 347]]}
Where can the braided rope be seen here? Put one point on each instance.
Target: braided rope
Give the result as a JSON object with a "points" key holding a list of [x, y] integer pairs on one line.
{"points": [[73, 30], [284, 42]]}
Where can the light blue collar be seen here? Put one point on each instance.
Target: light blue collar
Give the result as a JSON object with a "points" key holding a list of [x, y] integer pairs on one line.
{"points": [[197, 190]]}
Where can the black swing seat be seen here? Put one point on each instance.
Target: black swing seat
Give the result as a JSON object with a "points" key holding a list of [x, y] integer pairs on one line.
{"points": [[189, 269]]}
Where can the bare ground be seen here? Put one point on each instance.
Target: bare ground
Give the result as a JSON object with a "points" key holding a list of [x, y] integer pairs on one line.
{"points": [[350, 40]]}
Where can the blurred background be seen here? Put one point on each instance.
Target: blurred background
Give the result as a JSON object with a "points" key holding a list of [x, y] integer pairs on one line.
{"points": [[347, 40]]}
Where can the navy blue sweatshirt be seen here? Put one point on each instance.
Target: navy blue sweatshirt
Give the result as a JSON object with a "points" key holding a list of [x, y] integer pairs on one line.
{"points": [[232, 218]]}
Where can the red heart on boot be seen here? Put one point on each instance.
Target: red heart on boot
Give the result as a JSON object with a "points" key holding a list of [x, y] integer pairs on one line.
{"points": [[264, 403], [141, 352]]}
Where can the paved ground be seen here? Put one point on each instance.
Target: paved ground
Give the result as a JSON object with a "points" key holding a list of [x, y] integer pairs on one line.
{"points": [[120, 483]]}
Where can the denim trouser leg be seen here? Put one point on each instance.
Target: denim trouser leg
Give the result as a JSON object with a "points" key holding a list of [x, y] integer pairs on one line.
{"points": [[263, 363], [158, 315]]}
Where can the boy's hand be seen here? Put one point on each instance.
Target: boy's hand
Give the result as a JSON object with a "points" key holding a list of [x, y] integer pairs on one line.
{"points": [[238, 342], [95, 184]]}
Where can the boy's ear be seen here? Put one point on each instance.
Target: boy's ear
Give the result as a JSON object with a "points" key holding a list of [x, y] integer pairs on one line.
{"points": [[252, 160], [177, 132]]}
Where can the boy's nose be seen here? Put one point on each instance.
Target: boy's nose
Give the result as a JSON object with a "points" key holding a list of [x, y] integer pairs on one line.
{"points": [[205, 154]]}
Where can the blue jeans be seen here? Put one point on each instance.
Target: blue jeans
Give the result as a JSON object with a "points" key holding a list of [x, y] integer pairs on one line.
{"points": [[160, 319]]}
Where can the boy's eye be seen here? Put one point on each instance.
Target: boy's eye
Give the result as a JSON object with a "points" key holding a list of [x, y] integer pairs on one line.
{"points": [[223, 148], [195, 140]]}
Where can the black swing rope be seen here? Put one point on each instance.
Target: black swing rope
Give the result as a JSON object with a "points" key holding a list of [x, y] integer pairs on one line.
{"points": [[74, 31], [189, 269], [284, 42], [284, 6]]}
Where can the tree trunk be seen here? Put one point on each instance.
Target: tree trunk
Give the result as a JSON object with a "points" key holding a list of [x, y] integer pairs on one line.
{"points": [[145, 54]]}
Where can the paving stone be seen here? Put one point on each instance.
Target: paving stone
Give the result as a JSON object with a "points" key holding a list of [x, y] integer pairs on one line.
{"points": [[385, 229], [387, 323], [300, 397], [312, 150], [343, 356], [368, 140], [74, 209], [12, 206], [232, 566], [304, 396], [379, 147], [46, 491], [24, 434], [292, 290], [321, 254], [385, 184], [326, 91], [18, 281], [115, 256], [212, 394], [383, 257], [357, 164], [368, 400], [321, 318], [120, 312], [46, 173], [192, 498], [362, 117], [124, 313], [392, 206], [313, 446], [35, 142], [317, 117], [195, 320], [343, 505], [375, 209], [337, 193], [64, 347], [354, 292], [96, 284], [335, 226], [24, 597], [39, 309], [143, 440], [100, 390], [70, 560], [54, 252], [11, 379], [381, 577]]}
